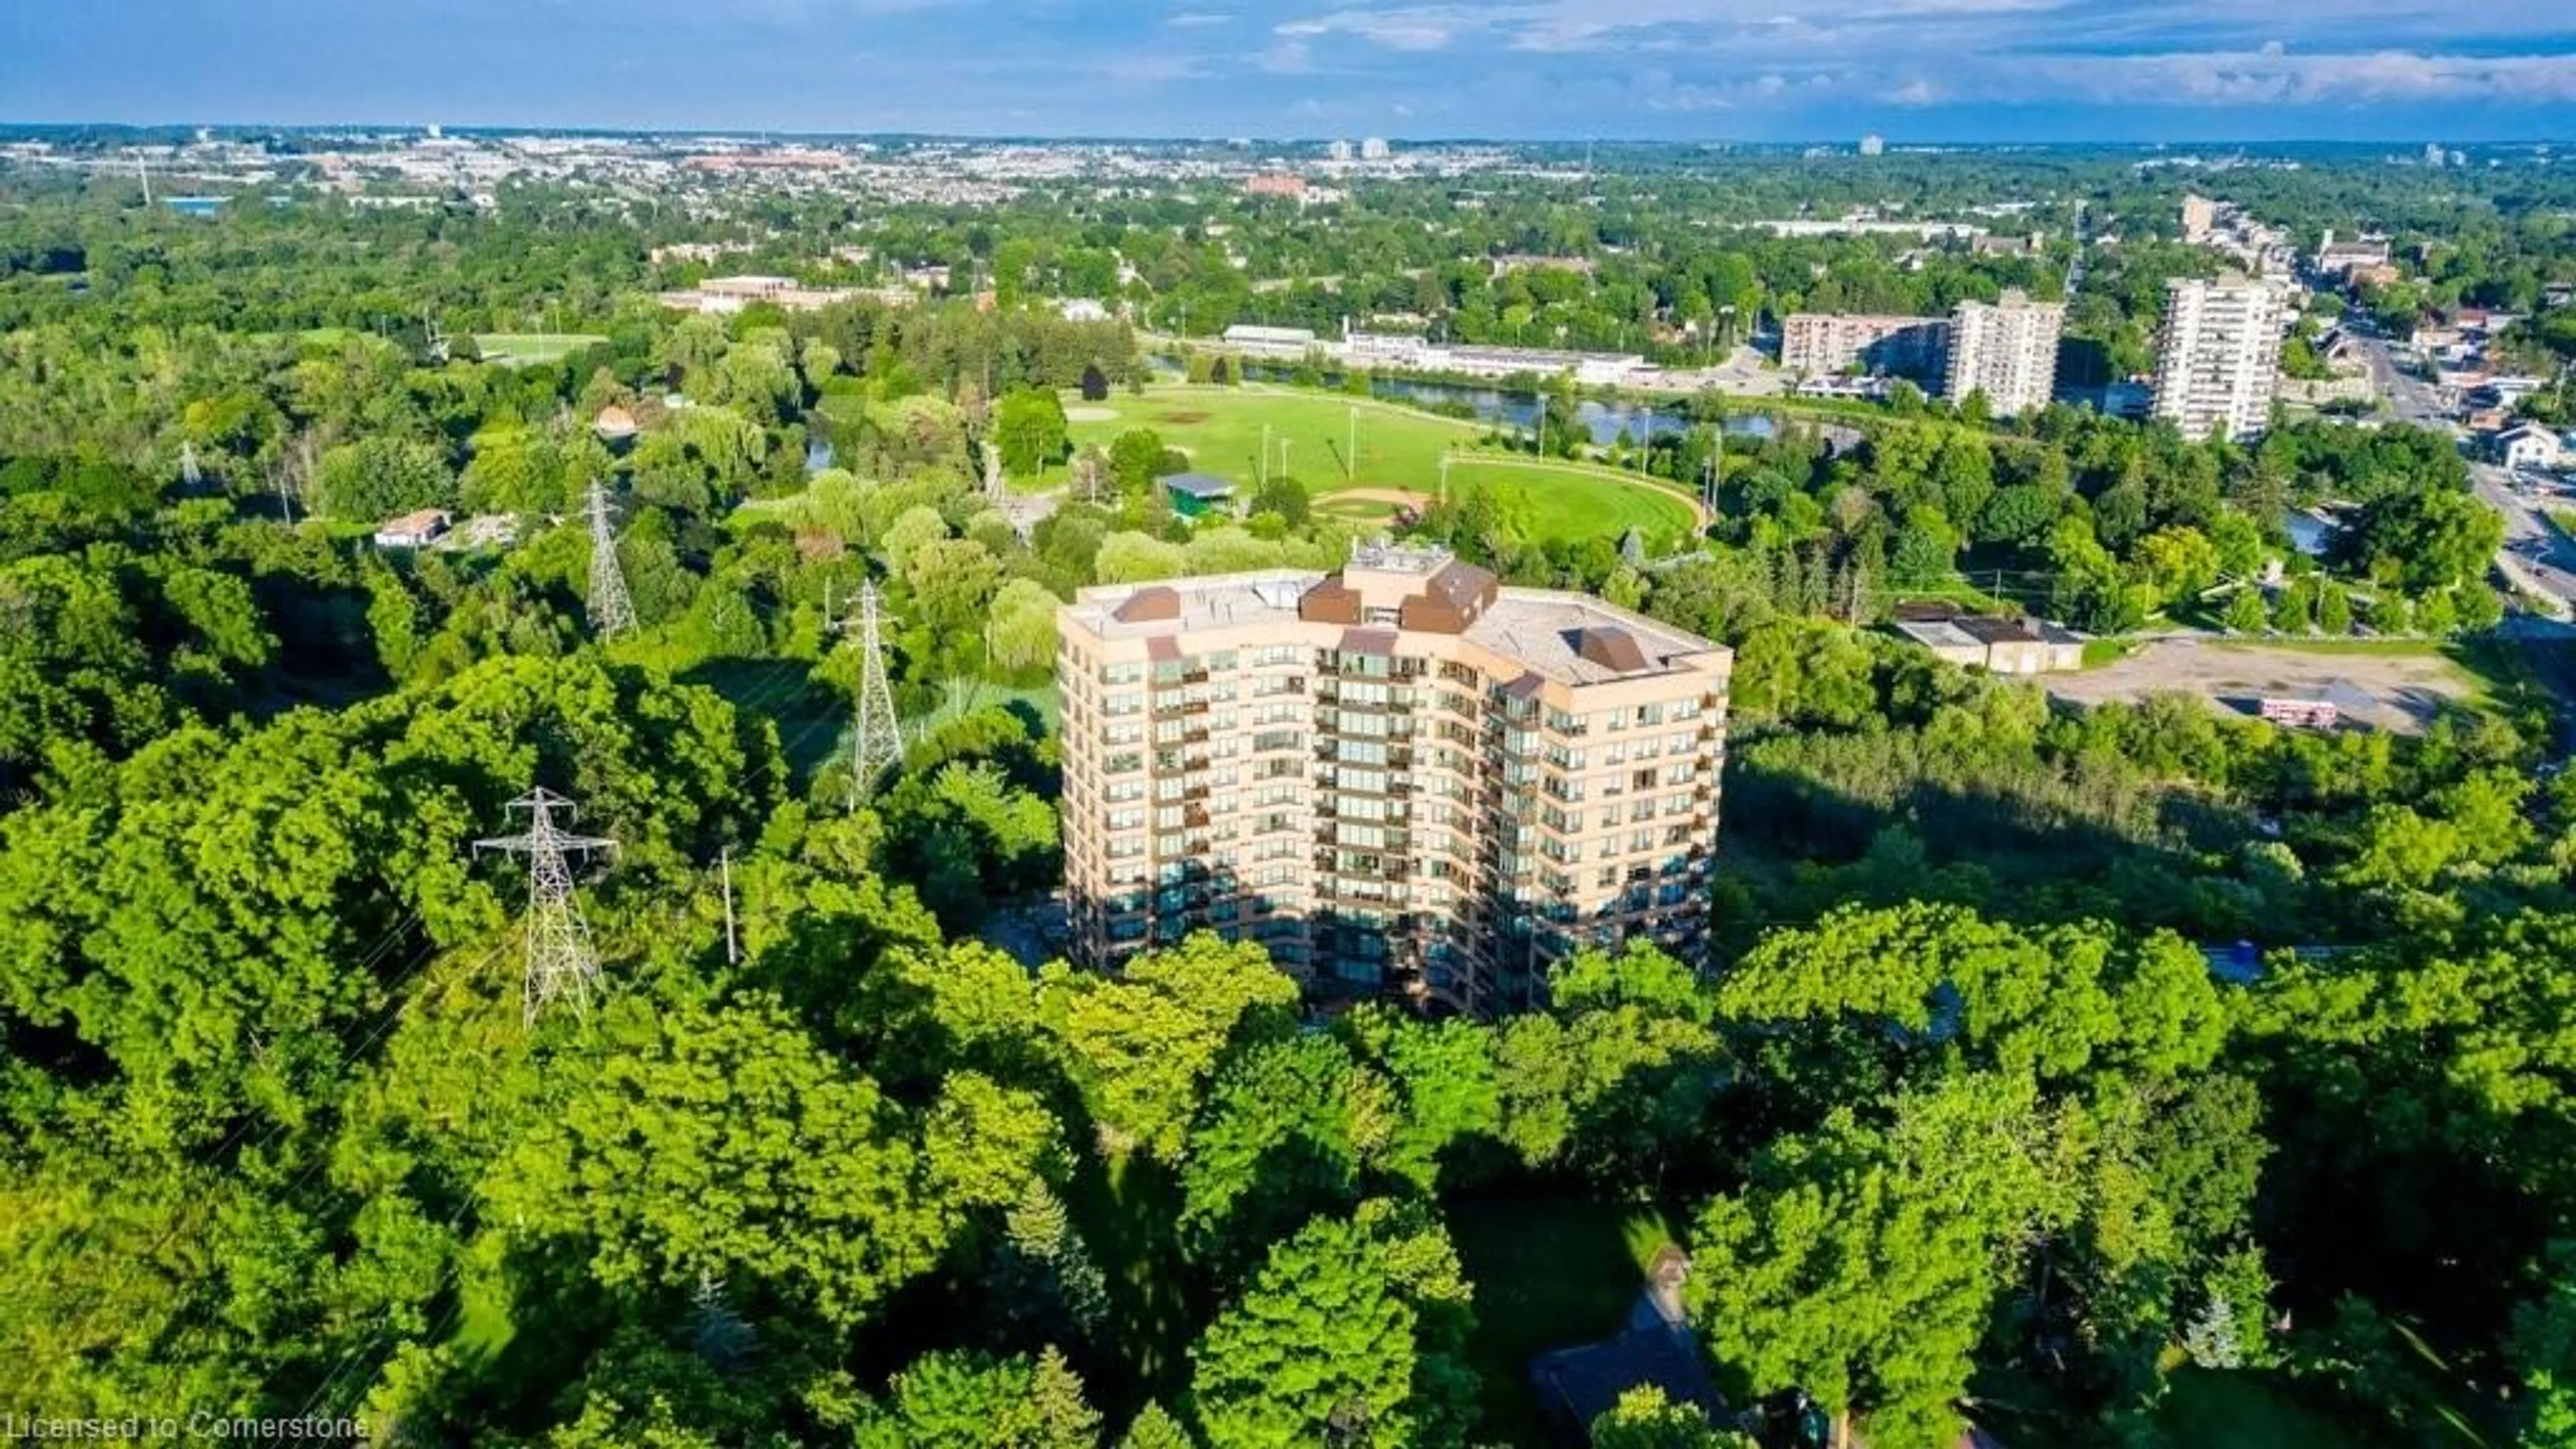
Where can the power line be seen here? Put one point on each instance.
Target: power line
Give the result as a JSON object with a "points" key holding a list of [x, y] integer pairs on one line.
{"points": [[140, 1263], [561, 960]]}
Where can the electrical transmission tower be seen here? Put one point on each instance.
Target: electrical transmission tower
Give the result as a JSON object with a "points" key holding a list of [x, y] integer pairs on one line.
{"points": [[995, 490], [611, 612], [879, 746], [561, 962]]}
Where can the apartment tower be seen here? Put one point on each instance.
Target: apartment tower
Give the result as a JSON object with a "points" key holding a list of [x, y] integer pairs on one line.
{"points": [[1400, 777], [1822, 344], [2219, 355], [2199, 218], [2008, 351]]}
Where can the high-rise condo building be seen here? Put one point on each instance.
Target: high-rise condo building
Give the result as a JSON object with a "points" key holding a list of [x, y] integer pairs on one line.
{"points": [[2219, 354], [1399, 776], [2006, 350], [2199, 218], [1821, 344]]}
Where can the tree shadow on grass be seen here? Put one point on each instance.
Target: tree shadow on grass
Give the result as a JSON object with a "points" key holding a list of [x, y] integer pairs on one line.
{"points": [[810, 716]]}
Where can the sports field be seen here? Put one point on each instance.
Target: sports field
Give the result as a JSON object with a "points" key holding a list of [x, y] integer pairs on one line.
{"points": [[1363, 460], [516, 349]]}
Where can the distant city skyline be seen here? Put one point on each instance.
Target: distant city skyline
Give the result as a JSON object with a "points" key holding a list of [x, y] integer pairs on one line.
{"points": [[1915, 71]]}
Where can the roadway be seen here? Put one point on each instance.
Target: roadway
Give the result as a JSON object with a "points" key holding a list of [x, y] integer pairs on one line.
{"points": [[2415, 400], [2536, 557]]}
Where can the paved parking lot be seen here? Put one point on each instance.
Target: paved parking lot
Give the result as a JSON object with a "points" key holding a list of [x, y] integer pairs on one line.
{"points": [[2404, 690]]}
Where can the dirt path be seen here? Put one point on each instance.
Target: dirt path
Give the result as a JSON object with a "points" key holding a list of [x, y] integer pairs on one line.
{"points": [[1396, 496]]}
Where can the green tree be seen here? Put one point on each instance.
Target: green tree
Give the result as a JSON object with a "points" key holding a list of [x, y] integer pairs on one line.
{"points": [[1031, 429], [966, 1401], [1139, 1045], [1023, 630], [1137, 457], [725, 1144], [1862, 1264], [2334, 611], [1155, 1429], [1351, 1331], [2543, 1350], [1644, 1419], [380, 477], [1617, 1072]]}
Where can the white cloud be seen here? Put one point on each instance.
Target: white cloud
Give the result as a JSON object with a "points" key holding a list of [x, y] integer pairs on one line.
{"points": [[1198, 19], [1152, 69], [1942, 52], [2277, 76], [1288, 57], [1412, 28]]}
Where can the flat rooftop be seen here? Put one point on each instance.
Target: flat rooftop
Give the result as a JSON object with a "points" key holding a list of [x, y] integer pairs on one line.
{"points": [[1539, 627]]}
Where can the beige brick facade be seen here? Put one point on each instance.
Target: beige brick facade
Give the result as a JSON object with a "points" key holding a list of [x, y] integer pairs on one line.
{"points": [[1397, 777]]}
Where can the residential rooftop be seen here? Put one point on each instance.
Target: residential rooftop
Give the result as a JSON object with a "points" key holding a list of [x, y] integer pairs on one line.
{"points": [[1570, 638]]}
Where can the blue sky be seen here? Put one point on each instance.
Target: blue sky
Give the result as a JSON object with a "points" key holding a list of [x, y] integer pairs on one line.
{"points": [[1750, 70]]}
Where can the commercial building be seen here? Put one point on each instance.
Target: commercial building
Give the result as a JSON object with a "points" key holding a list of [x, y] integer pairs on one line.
{"points": [[413, 530], [2350, 254], [2006, 350], [1999, 646], [1291, 342], [1399, 777], [2530, 446], [731, 294], [2219, 355], [1820, 344], [1873, 145], [1375, 148], [1197, 495]]}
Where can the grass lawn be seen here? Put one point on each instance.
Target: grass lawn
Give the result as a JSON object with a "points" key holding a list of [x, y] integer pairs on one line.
{"points": [[519, 348], [811, 718], [2098, 652], [1548, 1273], [1359, 510], [1125, 1208], [966, 695], [1314, 435], [2241, 1410], [484, 1327]]}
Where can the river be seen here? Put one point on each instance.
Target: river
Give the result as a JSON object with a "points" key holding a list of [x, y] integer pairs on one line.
{"points": [[2309, 534]]}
